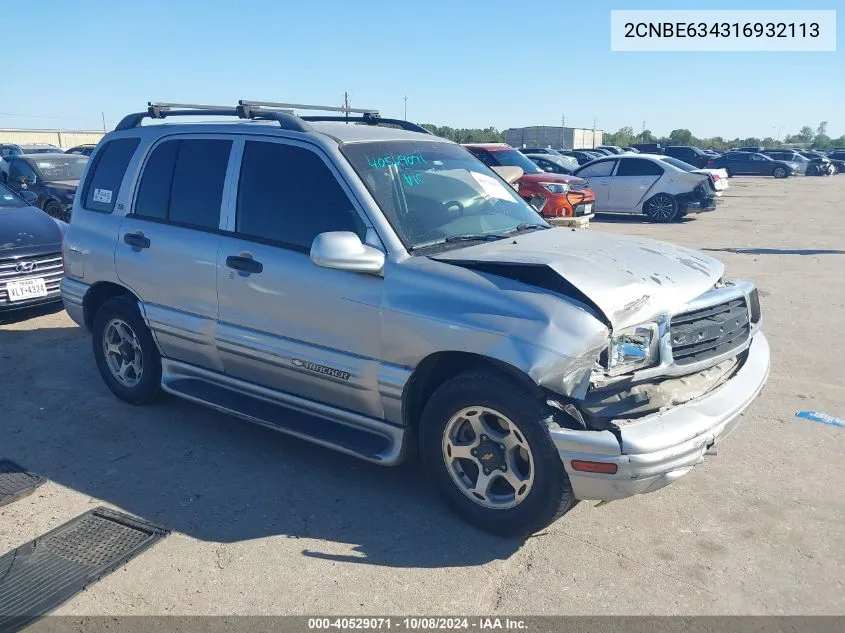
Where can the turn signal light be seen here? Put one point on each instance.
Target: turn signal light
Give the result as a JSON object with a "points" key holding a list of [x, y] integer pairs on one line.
{"points": [[594, 467]]}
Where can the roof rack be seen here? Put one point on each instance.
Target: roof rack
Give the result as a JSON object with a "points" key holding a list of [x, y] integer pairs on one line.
{"points": [[266, 111]]}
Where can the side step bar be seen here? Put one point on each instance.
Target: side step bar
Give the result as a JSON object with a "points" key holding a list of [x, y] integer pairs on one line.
{"points": [[382, 446]]}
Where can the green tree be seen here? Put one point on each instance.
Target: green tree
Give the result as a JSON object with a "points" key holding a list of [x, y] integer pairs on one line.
{"points": [[681, 137], [646, 136], [822, 129], [805, 135]]}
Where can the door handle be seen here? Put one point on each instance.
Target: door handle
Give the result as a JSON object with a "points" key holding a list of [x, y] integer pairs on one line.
{"points": [[136, 240], [244, 264]]}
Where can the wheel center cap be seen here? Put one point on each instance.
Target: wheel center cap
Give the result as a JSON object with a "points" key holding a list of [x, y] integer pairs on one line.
{"points": [[490, 455], [126, 352]]}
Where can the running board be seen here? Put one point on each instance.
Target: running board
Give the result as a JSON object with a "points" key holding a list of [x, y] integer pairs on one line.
{"points": [[373, 440]]}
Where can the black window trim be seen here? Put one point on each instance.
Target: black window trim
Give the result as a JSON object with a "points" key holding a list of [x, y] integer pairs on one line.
{"points": [[237, 144], [606, 159], [655, 162], [316, 149]]}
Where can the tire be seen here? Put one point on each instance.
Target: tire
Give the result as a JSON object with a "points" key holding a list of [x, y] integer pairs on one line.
{"points": [[56, 210], [547, 493], [142, 379], [729, 173], [812, 170], [661, 208], [780, 172]]}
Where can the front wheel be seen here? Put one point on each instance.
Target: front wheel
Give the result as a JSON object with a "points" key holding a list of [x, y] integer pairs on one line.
{"points": [[661, 208], [56, 210], [780, 172], [485, 445]]}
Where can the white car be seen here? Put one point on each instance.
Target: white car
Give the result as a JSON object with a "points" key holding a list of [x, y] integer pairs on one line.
{"points": [[661, 187]]}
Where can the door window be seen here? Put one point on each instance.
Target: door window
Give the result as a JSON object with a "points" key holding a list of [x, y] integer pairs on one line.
{"points": [[183, 182], [21, 168], [603, 168], [288, 195], [638, 167]]}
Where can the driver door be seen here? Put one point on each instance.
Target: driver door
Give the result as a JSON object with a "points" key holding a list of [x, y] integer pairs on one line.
{"points": [[598, 174], [284, 322]]}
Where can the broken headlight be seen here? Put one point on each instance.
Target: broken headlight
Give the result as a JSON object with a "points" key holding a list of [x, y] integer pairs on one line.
{"points": [[633, 348]]}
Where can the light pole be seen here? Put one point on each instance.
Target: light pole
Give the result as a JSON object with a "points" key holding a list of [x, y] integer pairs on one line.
{"points": [[405, 98], [777, 129]]}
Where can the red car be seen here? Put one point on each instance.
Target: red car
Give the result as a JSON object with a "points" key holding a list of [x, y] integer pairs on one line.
{"points": [[553, 195]]}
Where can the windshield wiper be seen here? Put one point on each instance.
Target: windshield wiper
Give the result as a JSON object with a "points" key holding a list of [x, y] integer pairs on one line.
{"points": [[474, 237], [528, 225]]}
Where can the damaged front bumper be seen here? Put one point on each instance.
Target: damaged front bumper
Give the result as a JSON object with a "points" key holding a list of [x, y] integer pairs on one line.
{"points": [[653, 451]]}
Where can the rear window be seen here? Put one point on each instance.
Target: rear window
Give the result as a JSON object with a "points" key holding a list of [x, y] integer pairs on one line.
{"points": [[106, 174]]}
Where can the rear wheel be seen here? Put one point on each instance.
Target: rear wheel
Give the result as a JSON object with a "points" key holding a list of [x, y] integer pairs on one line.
{"points": [[780, 172], [661, 208], [485, 445], [125, 351]]}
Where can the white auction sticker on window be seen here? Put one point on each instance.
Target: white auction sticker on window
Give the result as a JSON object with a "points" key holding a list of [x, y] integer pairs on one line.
{"points": [[102, 195], [491, 186]]}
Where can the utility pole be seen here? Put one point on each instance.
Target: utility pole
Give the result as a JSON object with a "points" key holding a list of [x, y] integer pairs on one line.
{"points": [[563, 131], [346, 104], [104, 121], [405, 98], [594, 132]]}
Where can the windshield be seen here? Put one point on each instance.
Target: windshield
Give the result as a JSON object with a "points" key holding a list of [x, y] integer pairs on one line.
{"points": [[433, 192], [9, 199], [513, 158], [66, 167], [42, 150], [679, 163]]}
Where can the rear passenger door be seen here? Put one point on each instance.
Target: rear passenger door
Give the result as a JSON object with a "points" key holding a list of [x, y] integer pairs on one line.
{"points": [[633, 182], [167, 245], [284, 322]]}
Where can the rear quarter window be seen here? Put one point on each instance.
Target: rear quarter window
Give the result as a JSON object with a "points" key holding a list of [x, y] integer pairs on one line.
{"points": [[106, 174]]}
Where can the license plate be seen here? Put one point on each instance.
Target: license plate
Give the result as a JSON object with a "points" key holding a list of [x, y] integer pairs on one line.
{"points": [[588, 209], [26, 289]]}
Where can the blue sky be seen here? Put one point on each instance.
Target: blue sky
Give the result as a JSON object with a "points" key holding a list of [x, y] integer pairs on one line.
{"points": [[464, 63]]}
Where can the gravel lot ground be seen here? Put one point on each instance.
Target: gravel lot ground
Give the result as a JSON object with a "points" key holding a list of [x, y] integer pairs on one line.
{"points": [[265, 524]]}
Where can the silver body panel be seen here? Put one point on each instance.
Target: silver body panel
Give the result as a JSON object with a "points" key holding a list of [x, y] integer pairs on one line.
{"points": [[344, 345]]}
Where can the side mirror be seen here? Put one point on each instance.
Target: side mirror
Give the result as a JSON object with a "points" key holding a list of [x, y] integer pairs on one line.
{"points": [[29, 196], [343, 250], [23, 181]]}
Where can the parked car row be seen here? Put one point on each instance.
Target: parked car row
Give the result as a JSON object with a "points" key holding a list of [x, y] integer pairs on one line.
{"points": [[47, 172]]}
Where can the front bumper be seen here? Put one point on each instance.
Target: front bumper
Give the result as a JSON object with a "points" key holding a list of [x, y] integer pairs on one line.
{"points": [[655, 450]]}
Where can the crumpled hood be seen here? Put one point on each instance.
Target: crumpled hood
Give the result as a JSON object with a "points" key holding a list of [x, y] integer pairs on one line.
{"points": [[629, 279]]}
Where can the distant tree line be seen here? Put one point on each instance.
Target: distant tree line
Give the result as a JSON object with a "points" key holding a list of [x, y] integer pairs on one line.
{"points": [[466, 135], [806, 137], [625, 137]]}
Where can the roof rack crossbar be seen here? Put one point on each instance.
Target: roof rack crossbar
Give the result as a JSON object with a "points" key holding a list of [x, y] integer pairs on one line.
{"points": [[157, 110], [273, 105], [369, 119]]}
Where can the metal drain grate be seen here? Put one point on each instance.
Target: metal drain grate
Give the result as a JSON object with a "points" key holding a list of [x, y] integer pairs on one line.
{"points": [[42, 574], [16, 482]]}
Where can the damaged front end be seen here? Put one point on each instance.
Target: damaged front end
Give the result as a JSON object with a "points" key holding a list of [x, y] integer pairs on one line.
{"points": [[661, 394]]}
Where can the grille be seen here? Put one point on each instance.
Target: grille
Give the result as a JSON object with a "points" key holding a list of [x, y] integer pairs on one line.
{"points": [[48, 267], [709, 332]]}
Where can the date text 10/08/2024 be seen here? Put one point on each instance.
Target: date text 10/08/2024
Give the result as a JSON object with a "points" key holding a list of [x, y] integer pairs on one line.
{"points": [[421, 623]]}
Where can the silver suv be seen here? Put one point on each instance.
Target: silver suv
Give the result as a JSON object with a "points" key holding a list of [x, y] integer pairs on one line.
{"points": [[378, 290]]}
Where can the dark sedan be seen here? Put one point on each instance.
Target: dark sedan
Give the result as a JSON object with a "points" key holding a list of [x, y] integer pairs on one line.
{"points": [[582, 156], [52, 177], [554, 164], [752, 164], [30, 252]]}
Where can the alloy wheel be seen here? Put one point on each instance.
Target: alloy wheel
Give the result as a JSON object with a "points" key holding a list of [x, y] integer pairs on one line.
{"points": [[488, 458], [122, 351], [662, 207]]}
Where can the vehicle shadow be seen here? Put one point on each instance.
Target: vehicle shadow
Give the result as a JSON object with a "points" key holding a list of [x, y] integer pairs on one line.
{"points": [[627, 218], [211, 476], [24, 314], [778, 251]]}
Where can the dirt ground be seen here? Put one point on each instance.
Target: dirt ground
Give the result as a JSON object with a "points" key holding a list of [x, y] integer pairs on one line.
{"points": [[266, 524]]}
